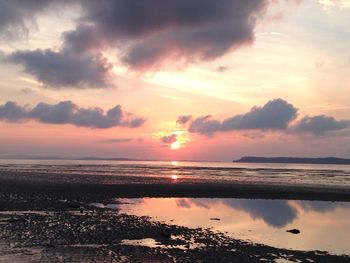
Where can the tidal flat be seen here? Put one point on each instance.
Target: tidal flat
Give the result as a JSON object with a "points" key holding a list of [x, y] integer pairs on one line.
{"points": [[63, 226]]}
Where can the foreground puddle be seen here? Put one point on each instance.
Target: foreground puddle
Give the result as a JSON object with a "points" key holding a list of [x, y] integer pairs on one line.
{"points": [[323, 225], [282, 260], [152, 243], [146, 242]]}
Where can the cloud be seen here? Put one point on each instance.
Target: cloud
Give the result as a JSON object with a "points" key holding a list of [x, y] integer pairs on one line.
{"points": [[63, 68], [12, 112], [118, 140], [18, 16], [274, 115], [66, 112], [183, 119], [68, 67], [15, 15], [147, 35], [169, 139], [154, 31], [27, 91], [343, 4], [222, 69], [320, 124]]}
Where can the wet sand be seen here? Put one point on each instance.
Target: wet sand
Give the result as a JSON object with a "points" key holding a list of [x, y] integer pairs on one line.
{"points": [[50, 221], [92, 186]]}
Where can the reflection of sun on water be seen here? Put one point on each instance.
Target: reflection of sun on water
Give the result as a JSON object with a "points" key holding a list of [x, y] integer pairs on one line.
{"points": [[175, 145], [174, 177]]}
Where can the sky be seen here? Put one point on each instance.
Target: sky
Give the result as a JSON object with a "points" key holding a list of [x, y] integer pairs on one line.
{"points": [[175, 79]]}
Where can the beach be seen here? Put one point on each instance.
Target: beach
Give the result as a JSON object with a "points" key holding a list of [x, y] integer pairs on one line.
{"points": [[47, 218], [174, 131]]}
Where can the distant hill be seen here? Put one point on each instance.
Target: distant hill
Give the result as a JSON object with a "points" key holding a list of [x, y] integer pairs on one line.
{"points": [[325, 160]]}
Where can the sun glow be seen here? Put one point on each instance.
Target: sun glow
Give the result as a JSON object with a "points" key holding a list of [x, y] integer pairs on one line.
{"points": [[174, 177], [175, 145]]}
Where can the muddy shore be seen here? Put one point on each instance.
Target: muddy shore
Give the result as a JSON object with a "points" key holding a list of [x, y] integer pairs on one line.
{"points": [[53, 222], [92, 186]]}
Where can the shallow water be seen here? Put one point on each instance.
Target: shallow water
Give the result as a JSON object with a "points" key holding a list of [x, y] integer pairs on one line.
{"points": [[194, 172], [324, 226]]}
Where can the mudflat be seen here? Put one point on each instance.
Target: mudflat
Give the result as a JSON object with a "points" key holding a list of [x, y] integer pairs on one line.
{"points": [[51, 221], [93, 186]]}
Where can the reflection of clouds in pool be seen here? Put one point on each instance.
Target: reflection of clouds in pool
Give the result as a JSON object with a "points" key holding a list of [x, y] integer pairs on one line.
{"points": [[183, 202], [323, 224], [277, 213], [320, 206], [204, 203]]}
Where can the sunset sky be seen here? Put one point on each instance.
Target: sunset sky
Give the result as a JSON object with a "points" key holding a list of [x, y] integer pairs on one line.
{"points": [[175, 79]]}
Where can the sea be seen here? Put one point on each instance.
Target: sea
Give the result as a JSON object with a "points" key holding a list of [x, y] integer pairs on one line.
{"points": [[138, 171]]}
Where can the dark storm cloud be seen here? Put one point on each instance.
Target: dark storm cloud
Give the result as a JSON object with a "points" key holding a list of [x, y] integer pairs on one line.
{"points": [[63, 69], [274, 115], [169, 138], [320, 124], [66, 112], [183, 119]]}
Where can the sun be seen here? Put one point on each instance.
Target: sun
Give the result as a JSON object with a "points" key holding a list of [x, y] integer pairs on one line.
{"points": [[174, 177], [175, 145]]}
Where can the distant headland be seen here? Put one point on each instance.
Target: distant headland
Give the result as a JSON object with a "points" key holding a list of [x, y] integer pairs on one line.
{"points": [[300, 160]]}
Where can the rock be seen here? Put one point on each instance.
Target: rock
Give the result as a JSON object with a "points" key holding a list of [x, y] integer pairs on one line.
{"points": [[74, 206], [166, 235], [294, 231], [215, 218], [13, 220]]}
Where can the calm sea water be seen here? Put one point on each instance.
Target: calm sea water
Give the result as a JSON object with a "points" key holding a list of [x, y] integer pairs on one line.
{"points": [[138, 171]]}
